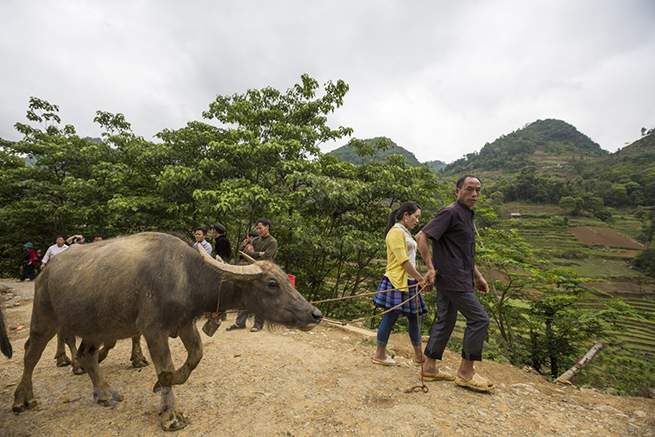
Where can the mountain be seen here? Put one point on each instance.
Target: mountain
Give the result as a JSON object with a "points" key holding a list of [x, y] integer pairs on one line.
{"points": [[641, 151], [543, 141], [348, 153], [436, 166], [626, 176]]}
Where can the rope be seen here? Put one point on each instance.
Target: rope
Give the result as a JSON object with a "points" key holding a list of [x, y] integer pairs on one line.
{"points": [[358, 295], [420, 287], [424, 388]]}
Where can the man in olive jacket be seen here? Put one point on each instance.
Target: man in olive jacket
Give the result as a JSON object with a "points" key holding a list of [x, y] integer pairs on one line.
{"points": [[263, 247]]}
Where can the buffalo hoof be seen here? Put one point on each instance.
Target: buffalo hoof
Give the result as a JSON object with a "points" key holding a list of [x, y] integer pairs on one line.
{"points": [[63, 361], [139, 362], [78, 369], [106, 401], [172, 420], [21, 406]]}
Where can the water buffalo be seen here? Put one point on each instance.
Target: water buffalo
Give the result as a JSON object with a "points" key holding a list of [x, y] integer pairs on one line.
{"points": [[155, 285], [5, 346], [136, 357]]}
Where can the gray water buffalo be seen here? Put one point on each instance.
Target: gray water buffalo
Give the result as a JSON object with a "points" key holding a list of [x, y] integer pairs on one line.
{"points": [[154, 285], [5, 346]]}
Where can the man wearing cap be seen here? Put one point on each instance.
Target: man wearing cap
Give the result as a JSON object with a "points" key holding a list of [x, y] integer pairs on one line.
{"points": [[222, 246], [30, 258], [53, 250]]}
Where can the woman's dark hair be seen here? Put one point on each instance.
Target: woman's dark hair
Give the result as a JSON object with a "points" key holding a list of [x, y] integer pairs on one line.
{"points": [[398, 213], [253, 234]]}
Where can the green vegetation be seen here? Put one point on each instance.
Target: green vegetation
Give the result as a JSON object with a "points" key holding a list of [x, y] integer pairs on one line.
{"points": [[513, 151], [436, 166], [360, 152], [328, 214]]}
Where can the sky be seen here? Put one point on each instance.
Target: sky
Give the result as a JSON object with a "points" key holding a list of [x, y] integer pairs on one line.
{"points": [[440, 78]]}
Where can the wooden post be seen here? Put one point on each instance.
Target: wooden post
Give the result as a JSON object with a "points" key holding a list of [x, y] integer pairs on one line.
{"points": [[573, 371]]}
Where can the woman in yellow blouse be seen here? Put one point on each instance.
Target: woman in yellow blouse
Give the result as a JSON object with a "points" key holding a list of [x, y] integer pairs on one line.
{"points": [[401, 264]]}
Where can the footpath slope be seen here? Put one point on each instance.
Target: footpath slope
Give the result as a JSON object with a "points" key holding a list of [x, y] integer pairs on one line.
{"points": [[287, 382]]}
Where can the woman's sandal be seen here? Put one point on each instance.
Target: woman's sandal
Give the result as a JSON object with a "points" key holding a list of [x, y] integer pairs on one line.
{"points": [[388, 361], [477, 383]]}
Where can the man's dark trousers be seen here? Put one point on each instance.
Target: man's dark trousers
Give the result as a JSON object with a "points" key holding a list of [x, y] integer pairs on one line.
{"points": [[448, 304]]}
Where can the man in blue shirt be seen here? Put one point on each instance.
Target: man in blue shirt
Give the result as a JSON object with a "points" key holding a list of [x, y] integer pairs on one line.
{"points": [[200, 235]]}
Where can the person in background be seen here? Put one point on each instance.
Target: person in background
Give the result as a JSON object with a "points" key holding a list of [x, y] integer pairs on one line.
{"points": [[200, 234], [97, 237], [264, 247], [246, 246], [452, 233], [222, 246], [53, 250], [401, 264], [30, 261], [75, 239]]}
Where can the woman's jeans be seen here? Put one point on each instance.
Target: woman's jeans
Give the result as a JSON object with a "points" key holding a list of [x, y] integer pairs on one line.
{"points": [[389, 319]]}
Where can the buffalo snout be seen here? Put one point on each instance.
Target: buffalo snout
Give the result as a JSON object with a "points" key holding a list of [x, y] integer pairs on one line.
{"points": [[317, 315]]}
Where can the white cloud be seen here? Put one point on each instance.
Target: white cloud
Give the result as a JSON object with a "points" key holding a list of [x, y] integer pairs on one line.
{"points": [[439, 78]]}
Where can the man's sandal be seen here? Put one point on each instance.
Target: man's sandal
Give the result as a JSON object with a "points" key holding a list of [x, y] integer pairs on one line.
{"points": [[477, 383], [234, 327], [441, 376]]}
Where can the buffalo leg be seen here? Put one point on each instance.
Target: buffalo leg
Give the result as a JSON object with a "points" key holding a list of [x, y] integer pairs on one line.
{"points": [[60, 355], [88, 355], [77, 367], [193, 344], [106, 347], [137, 358], [171, 419], [36, 343]]}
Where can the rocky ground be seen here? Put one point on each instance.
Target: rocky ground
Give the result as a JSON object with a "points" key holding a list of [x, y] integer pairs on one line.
{"points": [[287, 382]]}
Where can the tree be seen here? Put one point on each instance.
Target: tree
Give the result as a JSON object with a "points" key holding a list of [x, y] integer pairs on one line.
{"points": [[541, 314], [573, 204]]}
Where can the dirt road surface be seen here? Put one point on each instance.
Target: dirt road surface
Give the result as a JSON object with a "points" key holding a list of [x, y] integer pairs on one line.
{"points": [[287, 382]]}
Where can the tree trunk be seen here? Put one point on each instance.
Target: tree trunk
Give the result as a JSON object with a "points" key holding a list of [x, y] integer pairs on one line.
{"points": [[573, 371]]}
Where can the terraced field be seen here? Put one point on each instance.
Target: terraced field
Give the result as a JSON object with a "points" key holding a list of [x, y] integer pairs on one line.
{"points": [[607, 260]]}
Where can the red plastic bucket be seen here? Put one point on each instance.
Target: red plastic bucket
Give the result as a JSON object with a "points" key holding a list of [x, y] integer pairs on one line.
{"points": [[292, 279]]}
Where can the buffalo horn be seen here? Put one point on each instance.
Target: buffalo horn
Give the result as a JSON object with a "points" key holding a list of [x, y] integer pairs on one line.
{"points": [[248, 270], [248, 257]]}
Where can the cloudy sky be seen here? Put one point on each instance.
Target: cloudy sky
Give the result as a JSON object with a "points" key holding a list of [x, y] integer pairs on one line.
{"points": [[440, 78]]}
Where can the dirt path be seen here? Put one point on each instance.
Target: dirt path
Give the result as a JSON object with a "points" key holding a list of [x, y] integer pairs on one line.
{"points": [[287, 382]]}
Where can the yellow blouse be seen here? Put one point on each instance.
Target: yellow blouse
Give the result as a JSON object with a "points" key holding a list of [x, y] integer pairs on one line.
{"points": [[396, 257]]}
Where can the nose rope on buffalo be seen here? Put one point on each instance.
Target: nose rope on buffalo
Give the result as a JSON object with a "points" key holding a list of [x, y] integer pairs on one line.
{"points": [[420, 288]]}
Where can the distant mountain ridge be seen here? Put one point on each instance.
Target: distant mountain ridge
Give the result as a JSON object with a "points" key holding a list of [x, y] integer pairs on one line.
{"points": [[515, 150], [348, 153], [380, 148]]}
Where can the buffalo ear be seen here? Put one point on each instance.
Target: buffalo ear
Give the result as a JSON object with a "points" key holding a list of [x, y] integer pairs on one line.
{"points": [[249, 270]]}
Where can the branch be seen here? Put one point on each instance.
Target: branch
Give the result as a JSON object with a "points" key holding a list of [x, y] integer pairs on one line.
{"points": [[573, 371]]}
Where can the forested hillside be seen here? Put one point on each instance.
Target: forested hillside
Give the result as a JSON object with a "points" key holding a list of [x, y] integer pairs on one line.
{"points": [[436, 165], [373, 149], [513, 151]]}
